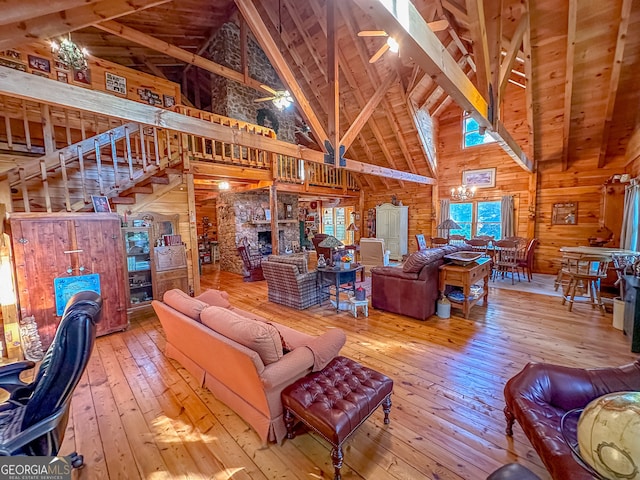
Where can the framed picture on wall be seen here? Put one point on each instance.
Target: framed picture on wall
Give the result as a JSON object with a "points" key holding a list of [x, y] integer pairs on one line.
{"points": [[100, 204], [481, 178]]}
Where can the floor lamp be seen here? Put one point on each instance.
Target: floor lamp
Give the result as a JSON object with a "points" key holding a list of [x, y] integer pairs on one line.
{"points": [[353, 228], [448, 225]]}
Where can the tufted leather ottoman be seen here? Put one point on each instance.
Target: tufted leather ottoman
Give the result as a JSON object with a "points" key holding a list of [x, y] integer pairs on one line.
{"points": [[335, 401]]}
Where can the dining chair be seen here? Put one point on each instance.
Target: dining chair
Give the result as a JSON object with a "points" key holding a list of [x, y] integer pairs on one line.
{"points": [[586, 272], [525, 258], [457, 239], [479, 245], [505, 259], [438, 242], [420, 240]]}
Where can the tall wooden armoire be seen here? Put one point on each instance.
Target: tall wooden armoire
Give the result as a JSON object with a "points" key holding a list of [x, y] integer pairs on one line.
{"points": [[57, 254]]}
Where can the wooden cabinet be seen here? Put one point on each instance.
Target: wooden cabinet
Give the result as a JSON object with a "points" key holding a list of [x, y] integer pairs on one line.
{"points": [[59, 254], [632, 312], [170, 267], [392, 224]]}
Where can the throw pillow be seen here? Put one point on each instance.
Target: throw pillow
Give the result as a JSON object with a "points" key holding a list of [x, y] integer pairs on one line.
{"points": [[180, 301], [260, 337], [218, 298]]}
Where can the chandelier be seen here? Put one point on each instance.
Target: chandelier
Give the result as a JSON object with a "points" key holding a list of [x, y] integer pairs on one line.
{"points": [[463, 192], [69, 53]]}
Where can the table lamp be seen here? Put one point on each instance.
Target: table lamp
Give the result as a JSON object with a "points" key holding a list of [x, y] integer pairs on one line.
{"points": [[330, 242], [448, 225]]}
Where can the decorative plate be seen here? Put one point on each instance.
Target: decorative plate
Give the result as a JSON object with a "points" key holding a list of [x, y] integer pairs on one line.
{"points": [[463, 258]]}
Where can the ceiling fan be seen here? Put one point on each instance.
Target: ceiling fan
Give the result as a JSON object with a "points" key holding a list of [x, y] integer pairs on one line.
{"points": [[281, 98], [391, 43]]}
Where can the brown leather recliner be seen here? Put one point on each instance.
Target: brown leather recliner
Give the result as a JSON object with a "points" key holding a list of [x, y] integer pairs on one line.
{"points": [[542, 393]]}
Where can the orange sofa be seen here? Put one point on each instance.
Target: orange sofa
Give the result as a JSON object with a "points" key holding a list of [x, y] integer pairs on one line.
{"points": [[245, 360]]}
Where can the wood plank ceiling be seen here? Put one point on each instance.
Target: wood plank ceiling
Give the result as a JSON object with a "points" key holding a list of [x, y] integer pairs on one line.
{"points": [[578, 62]]}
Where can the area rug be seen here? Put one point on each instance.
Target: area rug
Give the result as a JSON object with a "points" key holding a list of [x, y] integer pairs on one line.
{"points": [[541, 284]]}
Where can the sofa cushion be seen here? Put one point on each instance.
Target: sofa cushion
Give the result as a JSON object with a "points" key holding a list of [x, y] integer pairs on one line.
{"points": [[217, 298], [260, 337], [180, 301], [419, 259]]}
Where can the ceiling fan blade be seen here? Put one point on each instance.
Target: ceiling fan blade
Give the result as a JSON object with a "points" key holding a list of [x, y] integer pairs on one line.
{"points": [[438, 25], [264, 99], [373, 33], [268, 89], [379, 53]]}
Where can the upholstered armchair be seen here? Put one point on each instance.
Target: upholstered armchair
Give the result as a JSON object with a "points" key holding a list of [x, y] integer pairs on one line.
{"points": [[289, 282], [373, 253]]}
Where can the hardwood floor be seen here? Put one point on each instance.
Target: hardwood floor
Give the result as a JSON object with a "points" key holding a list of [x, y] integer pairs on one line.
{"points": [[137, 414]]}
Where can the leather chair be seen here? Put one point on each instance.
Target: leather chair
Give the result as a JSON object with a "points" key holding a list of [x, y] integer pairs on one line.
{"points": [[317, 240], [539, 395], [34, 419]]}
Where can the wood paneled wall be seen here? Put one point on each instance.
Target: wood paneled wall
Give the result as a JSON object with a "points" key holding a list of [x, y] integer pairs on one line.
{"points": [[582, 182], [207, 209]]}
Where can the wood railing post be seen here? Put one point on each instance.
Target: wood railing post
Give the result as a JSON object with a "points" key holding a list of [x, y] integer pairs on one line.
{"points": [[127, 142], [114, 158]]}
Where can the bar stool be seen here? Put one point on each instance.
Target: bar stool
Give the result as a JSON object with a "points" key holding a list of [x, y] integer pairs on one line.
{"points": [[587, 272]]}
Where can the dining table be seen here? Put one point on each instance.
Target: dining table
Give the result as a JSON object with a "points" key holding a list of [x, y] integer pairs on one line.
{"points": [[603, 251]]}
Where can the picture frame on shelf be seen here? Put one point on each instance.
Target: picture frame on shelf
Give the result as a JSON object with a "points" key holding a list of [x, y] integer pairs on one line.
{"points": [[100, 204], [480, 178], [39, 63]]}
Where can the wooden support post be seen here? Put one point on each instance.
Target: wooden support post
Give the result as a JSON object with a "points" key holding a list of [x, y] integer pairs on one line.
{"points": [[8, 304], [155, 146], [47, 130], [7, 126], [67, 127], [273, 206], [193, 233], [45, 185], [25, 191], [143, 148], [25, 122], [99, 167]]}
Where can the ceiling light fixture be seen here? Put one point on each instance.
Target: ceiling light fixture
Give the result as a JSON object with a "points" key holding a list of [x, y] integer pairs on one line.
{"points": [[224, 186], [282, 99], [69, 53], [393, 45], [463, 192]]}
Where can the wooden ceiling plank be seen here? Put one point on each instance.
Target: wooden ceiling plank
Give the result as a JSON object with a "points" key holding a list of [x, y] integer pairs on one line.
{"points": [[457, 10], [308, 41], [367, 111], [14, 11], [259, 29], [423, 136], [568, 82], [478, 30], [401, 19], [510, 59], [148, 41], [60, 23], [32, 87], [333, 79], [623, 26]]}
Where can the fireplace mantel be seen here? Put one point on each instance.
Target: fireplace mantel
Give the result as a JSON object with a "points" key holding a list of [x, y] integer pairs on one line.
{"points": [[268, 222]]}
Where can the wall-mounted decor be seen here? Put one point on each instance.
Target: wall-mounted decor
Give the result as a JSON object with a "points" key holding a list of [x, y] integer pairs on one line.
{"points": [[169, 101], [61, 65], [481, 178], [565, 214], [62, 77], [288, 211], [39, 63], [115, 83], [11, 54], [149, 96], [15, 65], [66, 287], [100, 204], [82, 76]]}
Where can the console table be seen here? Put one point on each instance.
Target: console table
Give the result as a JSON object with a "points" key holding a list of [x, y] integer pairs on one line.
{"points": [[329, 276], [465, 276]]}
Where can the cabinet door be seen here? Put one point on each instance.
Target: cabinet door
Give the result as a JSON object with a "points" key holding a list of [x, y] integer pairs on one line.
{"points": [[139, 269], [171, 279], [68, 247]]}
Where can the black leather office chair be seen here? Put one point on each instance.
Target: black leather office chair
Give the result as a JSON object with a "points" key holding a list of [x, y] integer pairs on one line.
{"points": [[34, 419]]}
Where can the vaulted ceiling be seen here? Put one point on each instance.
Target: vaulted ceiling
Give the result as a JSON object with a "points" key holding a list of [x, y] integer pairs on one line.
{"points": [[569, 66]]}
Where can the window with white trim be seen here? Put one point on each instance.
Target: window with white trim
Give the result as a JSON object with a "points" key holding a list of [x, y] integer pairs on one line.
{"points": [[471, 135], [477, 218]]}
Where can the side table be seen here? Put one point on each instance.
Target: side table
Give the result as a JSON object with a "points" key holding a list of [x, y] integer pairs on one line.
{"points": [[329, 276], [465, 276], [354, 304]]}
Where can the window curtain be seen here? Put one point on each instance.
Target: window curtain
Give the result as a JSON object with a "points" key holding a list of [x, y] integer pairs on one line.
{"points": [[630, 234], [445, 212], [507, 216]]}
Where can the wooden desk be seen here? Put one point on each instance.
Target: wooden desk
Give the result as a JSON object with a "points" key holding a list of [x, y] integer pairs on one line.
{"points": [[328, 276], [465, 276]]}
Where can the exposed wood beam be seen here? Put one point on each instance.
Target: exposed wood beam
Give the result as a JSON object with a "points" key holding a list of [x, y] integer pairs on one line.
{"points": [[333, 79], [244, 51], [528, 72], [423, 136], [625, 13], [60, 23], [510, 59], [32, 87], [456, 9], [148, 41], [14, 11], [568, 82], [633, 147], [203, 47], [478, 30], [401, 19], [493, 22], [367, 111], [259, 29]]}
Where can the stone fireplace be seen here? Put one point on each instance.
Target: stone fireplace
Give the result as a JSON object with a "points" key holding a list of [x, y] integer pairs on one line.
{"points": [[242, 215]]}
